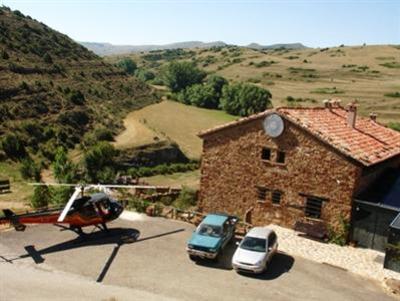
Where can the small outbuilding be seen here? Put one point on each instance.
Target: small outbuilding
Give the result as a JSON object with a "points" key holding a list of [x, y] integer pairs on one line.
{"points": [[296, 165]]}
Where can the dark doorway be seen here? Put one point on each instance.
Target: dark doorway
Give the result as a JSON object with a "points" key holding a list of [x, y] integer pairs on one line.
{"points": [[370, 227]]}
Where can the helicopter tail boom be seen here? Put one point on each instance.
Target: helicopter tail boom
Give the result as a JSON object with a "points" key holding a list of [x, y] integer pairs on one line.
{"points": [[12, 219]]}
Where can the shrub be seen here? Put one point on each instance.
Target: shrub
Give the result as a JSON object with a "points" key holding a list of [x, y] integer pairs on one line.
{"points": [[77, 97], [75, 119], [13, 147], [97, 158], [244, 99], [128, 65], [179, 75], [144, 75], [29, 170], [4, 55], [64, 170], [47, 58], [41, 197], [138, 204], [187, 198], [393, 94], [394, 125], [61, 195]]}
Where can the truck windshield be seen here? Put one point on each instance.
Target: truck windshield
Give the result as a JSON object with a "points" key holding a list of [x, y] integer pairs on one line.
{"points": [[209, 230], [254, 244]]}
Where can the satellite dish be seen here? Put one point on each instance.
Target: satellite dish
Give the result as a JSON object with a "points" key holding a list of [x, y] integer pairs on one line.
{"points": [[273, 125]]}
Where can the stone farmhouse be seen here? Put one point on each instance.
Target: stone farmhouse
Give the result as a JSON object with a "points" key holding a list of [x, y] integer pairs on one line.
{"points": [[293, 166]]}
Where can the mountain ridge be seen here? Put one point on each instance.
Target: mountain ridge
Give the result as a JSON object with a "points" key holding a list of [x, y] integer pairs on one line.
{"points": [[104, 49]]}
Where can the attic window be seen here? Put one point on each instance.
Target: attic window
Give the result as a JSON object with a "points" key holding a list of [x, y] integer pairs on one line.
{"points": [[280, 157], [266, 154]]}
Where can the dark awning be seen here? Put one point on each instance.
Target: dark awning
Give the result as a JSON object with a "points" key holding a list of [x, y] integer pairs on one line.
{"points": [[385, 191]]}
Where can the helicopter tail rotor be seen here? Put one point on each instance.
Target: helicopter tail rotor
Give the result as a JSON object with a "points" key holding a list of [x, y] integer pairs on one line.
{"points": [[11, 218]]}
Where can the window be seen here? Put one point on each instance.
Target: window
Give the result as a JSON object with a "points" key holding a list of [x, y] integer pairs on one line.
{"points": [[266, 154], [313, 207], [262, 193], [276, 197], [280, 157]]}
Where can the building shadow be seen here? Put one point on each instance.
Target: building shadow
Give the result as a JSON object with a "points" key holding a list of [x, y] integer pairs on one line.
{"points": [[280, 264]]}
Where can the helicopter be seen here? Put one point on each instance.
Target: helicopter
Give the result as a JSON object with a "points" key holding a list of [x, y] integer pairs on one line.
{"points": [[80, 211]]}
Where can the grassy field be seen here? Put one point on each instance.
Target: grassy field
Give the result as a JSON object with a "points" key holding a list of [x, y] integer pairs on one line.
{"points": [[170, 120], [188, 179], [368, 74], [19, 196]]}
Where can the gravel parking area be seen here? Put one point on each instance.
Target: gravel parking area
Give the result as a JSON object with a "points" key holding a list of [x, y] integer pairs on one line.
{"points": [[364, 262], [145, 259]]}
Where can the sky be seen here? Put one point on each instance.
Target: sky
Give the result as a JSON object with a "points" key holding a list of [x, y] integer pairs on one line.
{"points": [[315, 23]]}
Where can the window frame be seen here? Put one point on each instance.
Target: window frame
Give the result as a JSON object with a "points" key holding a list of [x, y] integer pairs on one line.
{"points": [[262, 190], [316, 208], [269, 154], [279, 154], [274, 193]]}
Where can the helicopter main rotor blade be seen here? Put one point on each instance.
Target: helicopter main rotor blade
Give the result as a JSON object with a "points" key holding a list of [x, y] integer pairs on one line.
{"points": [[69, 204], [54, 184]]}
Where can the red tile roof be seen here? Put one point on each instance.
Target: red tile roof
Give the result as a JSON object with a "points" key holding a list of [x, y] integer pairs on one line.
{"points": [[368, 142]]}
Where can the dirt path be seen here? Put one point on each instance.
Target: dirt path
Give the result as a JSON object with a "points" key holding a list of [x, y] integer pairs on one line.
{"points": [[135, 133]]}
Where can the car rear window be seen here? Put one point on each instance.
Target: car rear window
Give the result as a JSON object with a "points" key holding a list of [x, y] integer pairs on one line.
{"points": [[254, 244]]}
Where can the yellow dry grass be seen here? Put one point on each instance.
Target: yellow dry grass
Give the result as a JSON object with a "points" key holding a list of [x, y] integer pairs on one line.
{"points": [[173, 121], [189, 179], [19, 196]]}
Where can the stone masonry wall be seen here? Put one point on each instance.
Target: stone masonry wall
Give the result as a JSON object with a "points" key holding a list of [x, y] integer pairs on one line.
{"points": [[232, 168]]}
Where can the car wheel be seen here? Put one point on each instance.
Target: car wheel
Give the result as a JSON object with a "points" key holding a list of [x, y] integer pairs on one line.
{"points": [[192, 258]]}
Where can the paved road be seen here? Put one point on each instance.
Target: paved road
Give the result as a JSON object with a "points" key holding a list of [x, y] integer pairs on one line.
{"points": [[156, 264]]}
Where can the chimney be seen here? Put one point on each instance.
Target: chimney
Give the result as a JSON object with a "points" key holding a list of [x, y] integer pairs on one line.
{"points": [[351, 115], [373, 116]]}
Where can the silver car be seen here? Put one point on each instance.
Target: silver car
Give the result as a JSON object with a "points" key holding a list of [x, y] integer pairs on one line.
{"points": [[255, 251]]}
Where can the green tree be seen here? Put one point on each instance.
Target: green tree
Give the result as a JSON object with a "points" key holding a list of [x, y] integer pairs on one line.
{"points": [[203, 96], [13, 146], [64, 170], [217, 83], [97, 158], [41, 197], [29, 169], [244, 99], [179, 75], [144, 75], [128, 65]]}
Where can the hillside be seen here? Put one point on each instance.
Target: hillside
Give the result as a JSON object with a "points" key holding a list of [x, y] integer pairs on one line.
{"points": [[53, 90], [302, 77]]}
